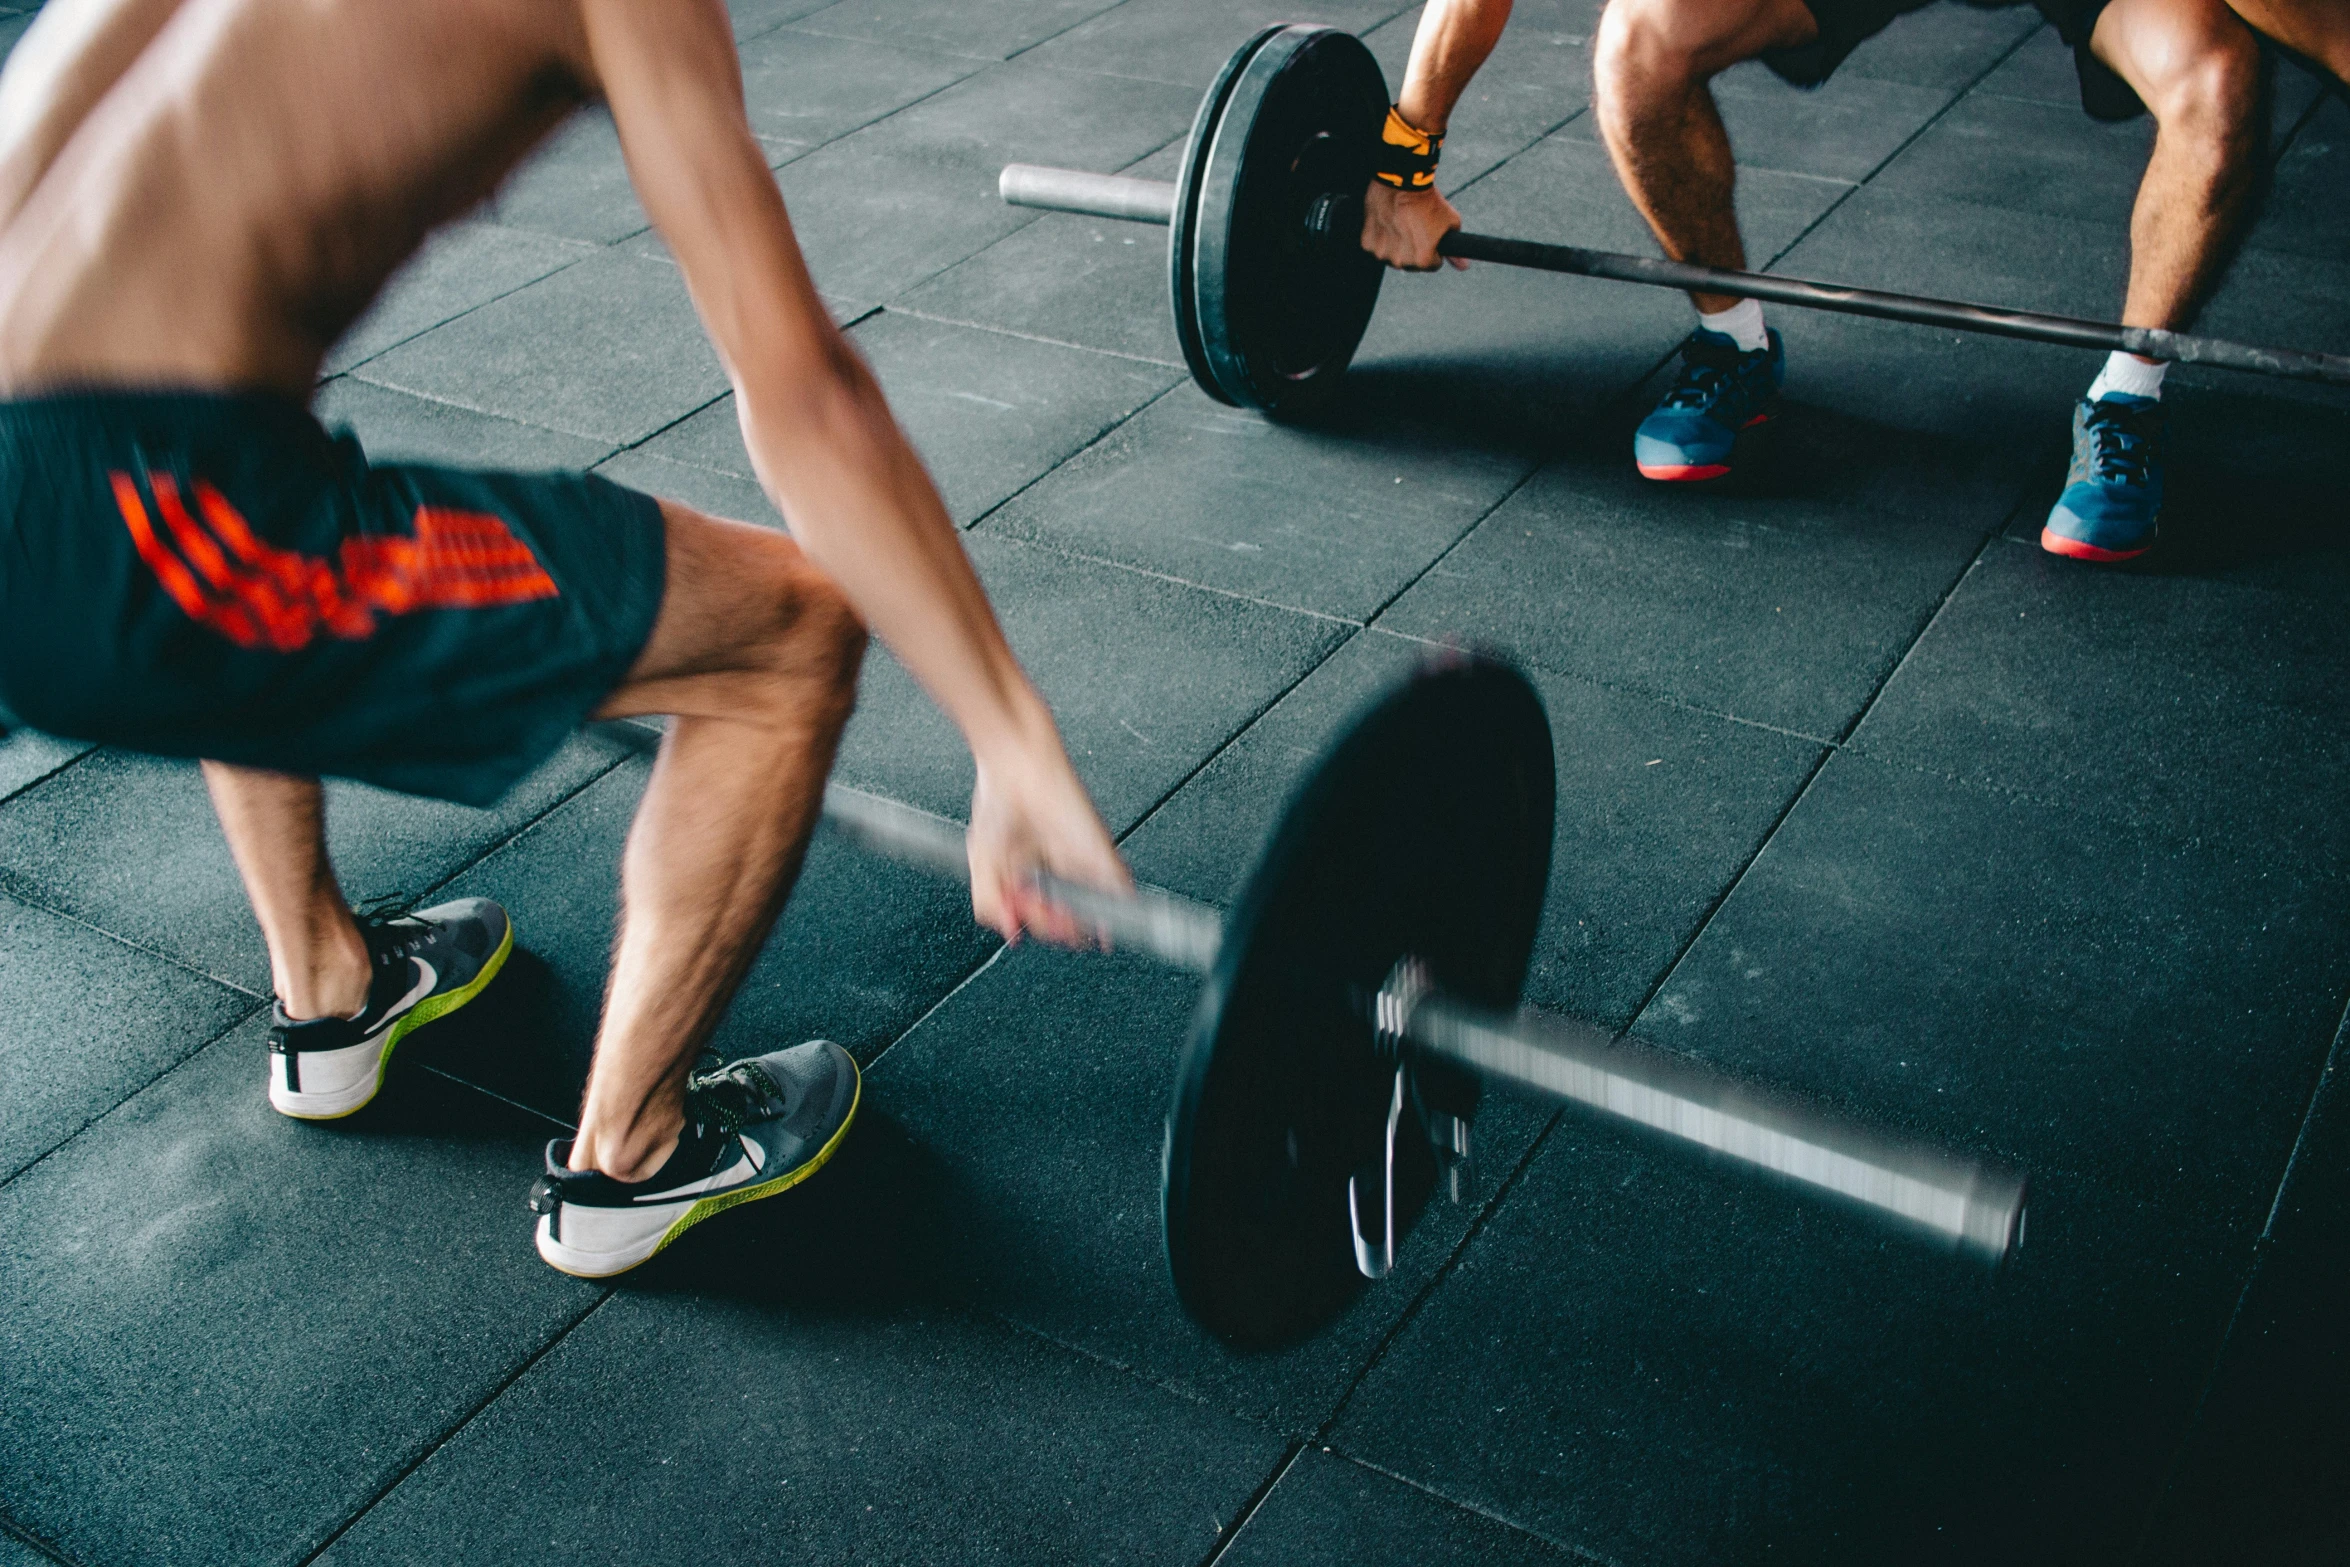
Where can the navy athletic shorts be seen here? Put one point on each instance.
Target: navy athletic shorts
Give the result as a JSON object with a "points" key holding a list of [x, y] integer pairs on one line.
{"points": [[1847, 24], [214, 575]]}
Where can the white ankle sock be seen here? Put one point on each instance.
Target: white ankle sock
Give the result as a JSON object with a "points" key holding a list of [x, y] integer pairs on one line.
{"points": [[1742, 323], [2128, 375]]}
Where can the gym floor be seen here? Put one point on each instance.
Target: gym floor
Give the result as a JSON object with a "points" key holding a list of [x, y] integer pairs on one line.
{"points": [[1860, 794]]}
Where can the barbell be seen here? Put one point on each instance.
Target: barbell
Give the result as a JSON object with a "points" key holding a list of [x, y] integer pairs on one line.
{"points": [[1364, 989], [1273, 290]]}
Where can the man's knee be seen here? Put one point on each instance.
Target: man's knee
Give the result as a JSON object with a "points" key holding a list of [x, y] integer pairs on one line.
{"points": [[2196, 66], [814, 642], [1646, 47], [1641, 44]]}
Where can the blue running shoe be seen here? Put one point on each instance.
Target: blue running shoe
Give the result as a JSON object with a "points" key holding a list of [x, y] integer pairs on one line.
{"points": [[1719, 393], [2111, 507]]}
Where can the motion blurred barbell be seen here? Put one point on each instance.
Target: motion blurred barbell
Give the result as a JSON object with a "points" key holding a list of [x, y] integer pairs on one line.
{"points": [[1366, 986], [1273, 290]]}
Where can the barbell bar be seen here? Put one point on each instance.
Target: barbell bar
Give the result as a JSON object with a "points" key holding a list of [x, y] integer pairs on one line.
{"points": [[1975, 1208], [1272, 184]]}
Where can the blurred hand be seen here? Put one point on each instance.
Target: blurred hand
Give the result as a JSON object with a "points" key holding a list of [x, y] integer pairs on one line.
{"points": [[1402, 227], [1030, 814]]}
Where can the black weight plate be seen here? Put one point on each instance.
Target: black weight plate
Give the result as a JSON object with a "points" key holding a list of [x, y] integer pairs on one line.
{"points": [[1180, 247], [1425, 832], [1279, 312]]}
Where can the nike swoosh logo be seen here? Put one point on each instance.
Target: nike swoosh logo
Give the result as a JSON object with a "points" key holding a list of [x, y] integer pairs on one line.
{"points": [[425, 980], [733, 1175]]}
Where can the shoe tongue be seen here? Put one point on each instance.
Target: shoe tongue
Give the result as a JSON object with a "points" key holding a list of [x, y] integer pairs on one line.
{"points": [[2128, 402]]}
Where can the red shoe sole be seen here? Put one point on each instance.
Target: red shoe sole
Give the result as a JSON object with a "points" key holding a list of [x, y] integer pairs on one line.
{"points": [[2058, 544], [1712, 470]]}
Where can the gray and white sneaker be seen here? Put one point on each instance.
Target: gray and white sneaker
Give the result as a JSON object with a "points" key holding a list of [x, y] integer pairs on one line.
{"points": [[427, 965], [755, 1128]]}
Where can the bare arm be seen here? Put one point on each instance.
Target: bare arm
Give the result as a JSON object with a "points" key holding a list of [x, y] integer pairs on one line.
{"points": [[75, 51], [1403, 228], [827, 448]]}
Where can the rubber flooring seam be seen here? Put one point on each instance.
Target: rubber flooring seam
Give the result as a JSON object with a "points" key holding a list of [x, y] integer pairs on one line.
{"points": [[450, 1432], [1033, 337], [1581, 1552], [39, 1545], [30, 784], [1248, 1509], [241, 1020], [2263, 1246], [586, 250], [1640, 693]]}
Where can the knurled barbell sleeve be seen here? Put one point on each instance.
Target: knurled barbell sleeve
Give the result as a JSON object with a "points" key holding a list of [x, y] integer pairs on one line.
{"points": [[1094, 195], [1976, 1208]]}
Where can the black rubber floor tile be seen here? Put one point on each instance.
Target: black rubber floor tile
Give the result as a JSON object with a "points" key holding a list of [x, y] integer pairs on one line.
{"points": [[609, 349], [2026, 156], [900, 201], [401, 427], [1088, 281], [803, 90], [1035, 1103], [227, 1330], [2049, 980], [1147, 678], [2303, 214], [989, 32], [1336, 519], [1785, 602], [753, 17], [1188, 41], [1990, 391], [1943, 46], [1535, 81], [705, 1430], [14, 1553], [705, 489], [1328, 1512], [865, 947], [1653, 1358], [128, 843], [1965, 250], [85, 1022], [2257, 1479], [2186, 705], [576, 185], [990, 414], [464, 265], [1658, 809], [27, 756], [1842, 130]]}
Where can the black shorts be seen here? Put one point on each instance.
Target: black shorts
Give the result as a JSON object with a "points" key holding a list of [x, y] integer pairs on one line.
{"points": [[213, 575], [1846, 24]]}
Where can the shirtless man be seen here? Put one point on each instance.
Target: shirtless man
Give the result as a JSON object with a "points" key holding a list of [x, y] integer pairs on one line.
{"points": [[196, 198], [2190, 61]]}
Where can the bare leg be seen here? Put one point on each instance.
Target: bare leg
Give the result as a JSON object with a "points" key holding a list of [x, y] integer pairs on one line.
{"points": [[755, 658], [1652, 62], [2198, 69], [2319, 29], [276, 829]]}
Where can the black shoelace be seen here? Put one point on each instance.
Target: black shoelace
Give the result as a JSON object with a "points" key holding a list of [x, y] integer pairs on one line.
{"points": [[2121, 442], [734, 1097], [1705, 369]]}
